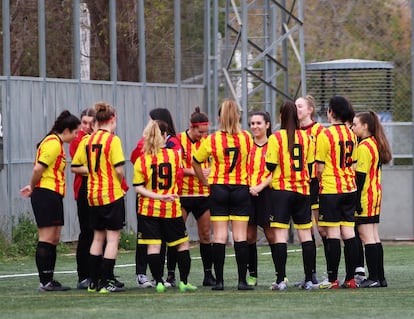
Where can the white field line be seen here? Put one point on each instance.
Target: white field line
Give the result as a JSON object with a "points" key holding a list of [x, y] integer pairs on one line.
{"points": [[116, 266]]}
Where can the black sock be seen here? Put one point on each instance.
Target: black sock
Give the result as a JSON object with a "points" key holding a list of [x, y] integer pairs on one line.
{"points": [[360, 249], [141, 259], [371, 255], [308, 257], [351, 256], [45, 260], [95, 263], [241, 250], [163, 252], [107, 269], [252, 265], [314, 249], [279, 256], [333, 248], [325, 251], [171, 261], [381, 274], [219, 254], [206, 257], [184, 264], [154, 264], [54, 255]]}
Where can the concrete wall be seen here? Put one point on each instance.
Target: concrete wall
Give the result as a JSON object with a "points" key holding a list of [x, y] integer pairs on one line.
{"points": [[397, 215]]}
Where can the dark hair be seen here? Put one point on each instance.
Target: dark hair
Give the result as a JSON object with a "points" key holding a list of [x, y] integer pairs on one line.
{"points": [[198, 117], [342, 109], [164, 115], [65, 120], [266, 118], [375, 128], [88, 112], [163, 126], [104, 112], [289, 121]]}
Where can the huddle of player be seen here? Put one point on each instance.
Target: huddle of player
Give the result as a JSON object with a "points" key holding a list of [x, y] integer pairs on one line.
{"points": [[303, 173]]}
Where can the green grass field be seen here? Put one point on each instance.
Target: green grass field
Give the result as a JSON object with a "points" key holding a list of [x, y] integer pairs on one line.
{"points": [[19, 297]]}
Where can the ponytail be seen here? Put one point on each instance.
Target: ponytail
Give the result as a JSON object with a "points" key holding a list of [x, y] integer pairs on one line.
{"points": [[375, 128], [65, 120], [153, 139], [289, 121]]}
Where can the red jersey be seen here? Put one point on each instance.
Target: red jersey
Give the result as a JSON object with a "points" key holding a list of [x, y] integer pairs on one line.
{"points": [[73, 146]]}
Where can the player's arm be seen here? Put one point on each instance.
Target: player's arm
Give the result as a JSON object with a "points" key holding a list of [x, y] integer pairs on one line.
{"points": [[360, 181], [255, 190], [82, 170], [140, 189], [78, 165], [271, 155], [319, 169], [37, 172], [119, 170], [198, 170]]}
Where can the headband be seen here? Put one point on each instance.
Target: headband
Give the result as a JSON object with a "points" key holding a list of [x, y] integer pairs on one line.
{"points": [[198, 124]]}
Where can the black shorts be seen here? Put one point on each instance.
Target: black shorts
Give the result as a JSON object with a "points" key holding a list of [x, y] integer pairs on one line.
{"points": [[286, 205], [229, 202], [314, 193], [261, 208], [367, 220], [110, 216], [47, 207], [337, 209], [197, 205], [154, 230]]}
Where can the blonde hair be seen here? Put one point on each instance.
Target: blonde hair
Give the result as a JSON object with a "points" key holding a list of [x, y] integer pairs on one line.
{"points": [[153, 139], [229, 117]]}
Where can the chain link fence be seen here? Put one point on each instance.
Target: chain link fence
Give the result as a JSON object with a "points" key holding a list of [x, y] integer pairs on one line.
{"points": [[370, 44]]}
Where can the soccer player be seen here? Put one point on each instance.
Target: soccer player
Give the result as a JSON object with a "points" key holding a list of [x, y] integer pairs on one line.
{"points": [[228, 149], [79, 189], [46, 191], [306, 114], [141, 261], [336, 158], [194, 195], [157, 173], [373, 151], [260, 192], [290, 155], [103, 161]]}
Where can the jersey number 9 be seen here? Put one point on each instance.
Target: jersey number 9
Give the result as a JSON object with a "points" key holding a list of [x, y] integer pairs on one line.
{"points": [[163, 174]]}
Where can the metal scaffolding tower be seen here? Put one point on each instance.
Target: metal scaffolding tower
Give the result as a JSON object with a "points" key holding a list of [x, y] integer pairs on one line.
{"points": [[263, 51]]}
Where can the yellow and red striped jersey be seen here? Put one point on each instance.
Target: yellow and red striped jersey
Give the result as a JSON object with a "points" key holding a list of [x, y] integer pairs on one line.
{"points": [[256, 164], [228, 153], [313, 130], [51, 154], [102, 152], [159, 174], [291, 173], [336, 148], [191, 184], [368, 162]]}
